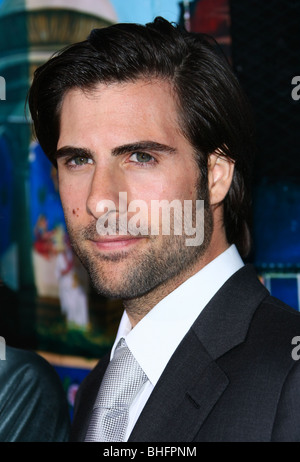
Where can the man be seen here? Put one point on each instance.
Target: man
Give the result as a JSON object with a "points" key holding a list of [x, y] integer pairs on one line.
{"points": [[151, 114]]}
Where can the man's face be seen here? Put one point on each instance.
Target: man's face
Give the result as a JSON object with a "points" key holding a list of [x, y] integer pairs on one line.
{"points": [[125, 138]]}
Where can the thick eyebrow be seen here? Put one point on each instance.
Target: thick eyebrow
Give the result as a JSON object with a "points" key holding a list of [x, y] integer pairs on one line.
{"points": [[142, 146], [73, 151], [119, 150]]}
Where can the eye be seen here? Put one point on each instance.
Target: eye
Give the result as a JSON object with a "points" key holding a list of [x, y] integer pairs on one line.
{"points": [[79, 160], [141, 157]]}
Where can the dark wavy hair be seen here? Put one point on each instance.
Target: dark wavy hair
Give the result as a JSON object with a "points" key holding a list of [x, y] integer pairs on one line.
{"points": [[212, 108]]}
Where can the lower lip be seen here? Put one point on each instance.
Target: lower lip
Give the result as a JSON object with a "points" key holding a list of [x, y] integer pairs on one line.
{"points": [[116, 245]]}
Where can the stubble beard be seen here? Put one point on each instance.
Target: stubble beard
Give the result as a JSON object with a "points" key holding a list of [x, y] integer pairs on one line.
{"points": [[147, 269]]}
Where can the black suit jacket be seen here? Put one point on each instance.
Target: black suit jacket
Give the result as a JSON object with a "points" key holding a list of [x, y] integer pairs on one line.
{"points": [[232, 378]]}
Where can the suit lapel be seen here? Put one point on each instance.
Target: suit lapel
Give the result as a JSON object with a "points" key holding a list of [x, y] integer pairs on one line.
{"points": [[192, 382], [182, 398], [224, 322]]}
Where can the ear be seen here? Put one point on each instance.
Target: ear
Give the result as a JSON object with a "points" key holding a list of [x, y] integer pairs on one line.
{"points": [[220, 173]]}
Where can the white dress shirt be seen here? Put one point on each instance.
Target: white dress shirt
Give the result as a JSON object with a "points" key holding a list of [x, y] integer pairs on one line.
{"points": [[155, 338]]}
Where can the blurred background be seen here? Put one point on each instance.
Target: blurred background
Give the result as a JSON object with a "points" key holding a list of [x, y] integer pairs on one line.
{"points": [[46, 301]]}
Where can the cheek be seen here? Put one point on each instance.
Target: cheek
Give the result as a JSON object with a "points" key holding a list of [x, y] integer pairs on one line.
{"points": [[169, 189], [147, 188], [72, 201], [173, 182]]}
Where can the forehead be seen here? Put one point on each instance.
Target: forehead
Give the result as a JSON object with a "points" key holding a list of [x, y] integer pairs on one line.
{"points": [[121, 109]]}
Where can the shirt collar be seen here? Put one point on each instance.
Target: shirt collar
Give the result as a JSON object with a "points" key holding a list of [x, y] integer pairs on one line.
{"points": [[155, 338]]}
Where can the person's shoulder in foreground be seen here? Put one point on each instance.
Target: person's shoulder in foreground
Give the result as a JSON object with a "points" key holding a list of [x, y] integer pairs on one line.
{"points": [[33, 406]]}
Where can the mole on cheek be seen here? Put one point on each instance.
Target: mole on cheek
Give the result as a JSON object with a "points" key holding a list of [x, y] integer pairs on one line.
{"points": [[75, 212]]}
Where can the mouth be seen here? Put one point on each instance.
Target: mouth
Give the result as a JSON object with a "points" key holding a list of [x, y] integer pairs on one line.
{"points": [[110, 243]]}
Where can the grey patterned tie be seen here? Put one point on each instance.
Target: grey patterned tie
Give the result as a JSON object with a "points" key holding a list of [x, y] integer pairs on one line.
{"points": [[121, 382]]}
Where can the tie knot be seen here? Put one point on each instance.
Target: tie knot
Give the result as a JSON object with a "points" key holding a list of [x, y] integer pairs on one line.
{"points": [[121, 344], [122, 354], [122, 380]]}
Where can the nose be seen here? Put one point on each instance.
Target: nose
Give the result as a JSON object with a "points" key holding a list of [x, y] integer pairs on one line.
{"points": [[104, 191]]}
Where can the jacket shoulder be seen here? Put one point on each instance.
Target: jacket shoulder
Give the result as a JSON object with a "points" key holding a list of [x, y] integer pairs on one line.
{"points": [[33, 402]]}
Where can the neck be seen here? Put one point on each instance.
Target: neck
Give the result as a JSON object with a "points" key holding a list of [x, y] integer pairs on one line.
{"points": [[138, 307]]}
